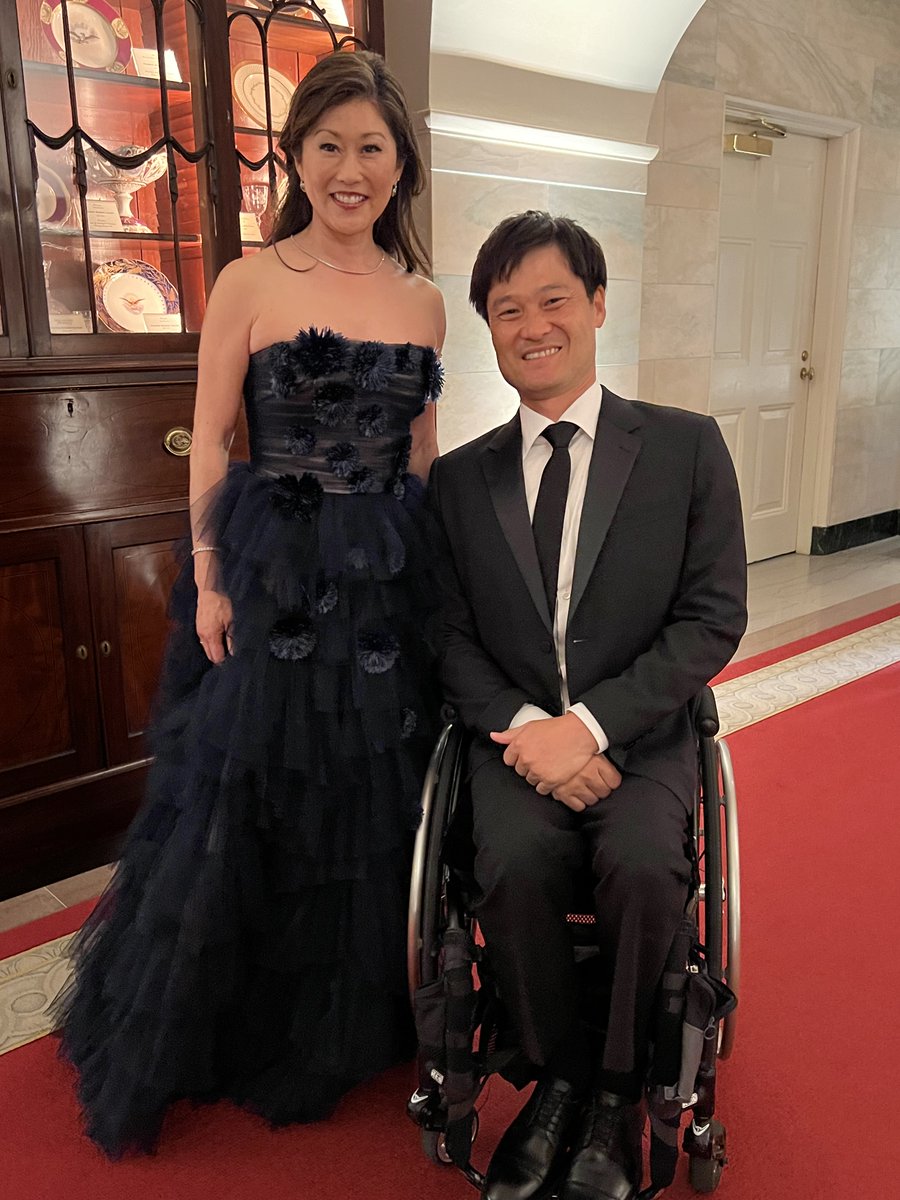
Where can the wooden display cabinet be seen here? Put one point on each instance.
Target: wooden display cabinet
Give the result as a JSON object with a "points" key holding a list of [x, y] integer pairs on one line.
{"points": [[133, 166]]}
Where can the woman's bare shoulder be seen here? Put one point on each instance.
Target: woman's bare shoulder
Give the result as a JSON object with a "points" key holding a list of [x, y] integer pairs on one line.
{"points": [[427, 295]]}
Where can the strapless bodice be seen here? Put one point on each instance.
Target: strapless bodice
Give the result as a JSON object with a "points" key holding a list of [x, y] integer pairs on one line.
{"points": [[337, 409]]}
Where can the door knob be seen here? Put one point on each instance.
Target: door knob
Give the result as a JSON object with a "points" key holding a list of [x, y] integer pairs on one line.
{"points": [[808, 373]]}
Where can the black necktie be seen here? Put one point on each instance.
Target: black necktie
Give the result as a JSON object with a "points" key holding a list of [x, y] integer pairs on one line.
{"points": [[550, 507]]}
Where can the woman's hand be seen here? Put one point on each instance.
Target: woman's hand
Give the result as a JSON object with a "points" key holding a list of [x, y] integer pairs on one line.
{"points": [[214, 618]]}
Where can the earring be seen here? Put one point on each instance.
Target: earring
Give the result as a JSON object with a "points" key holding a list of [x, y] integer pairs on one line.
{"points": [[394, 190], [302, 186]]}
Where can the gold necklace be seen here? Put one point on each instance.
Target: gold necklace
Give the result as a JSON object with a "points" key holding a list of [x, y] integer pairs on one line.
{"points": [[325, 263]]}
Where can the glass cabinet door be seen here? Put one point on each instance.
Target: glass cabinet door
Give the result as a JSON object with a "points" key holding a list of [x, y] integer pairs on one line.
{"points": [[272, 45], [116, 116]]}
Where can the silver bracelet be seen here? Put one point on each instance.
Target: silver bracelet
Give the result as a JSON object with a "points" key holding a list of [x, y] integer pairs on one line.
{"points": [[204, 550]]}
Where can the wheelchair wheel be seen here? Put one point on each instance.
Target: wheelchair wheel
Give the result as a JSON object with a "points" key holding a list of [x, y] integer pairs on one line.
{"points": [[706, 1173]]}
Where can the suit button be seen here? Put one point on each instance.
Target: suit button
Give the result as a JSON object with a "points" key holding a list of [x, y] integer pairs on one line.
{"points": [[547, 646]]}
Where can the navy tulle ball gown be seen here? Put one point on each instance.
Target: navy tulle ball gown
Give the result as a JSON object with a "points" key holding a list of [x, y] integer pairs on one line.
{"points": [[251, 943]]}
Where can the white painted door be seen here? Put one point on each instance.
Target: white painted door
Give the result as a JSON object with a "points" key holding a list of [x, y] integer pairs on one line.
{"points": [[768, 254]]}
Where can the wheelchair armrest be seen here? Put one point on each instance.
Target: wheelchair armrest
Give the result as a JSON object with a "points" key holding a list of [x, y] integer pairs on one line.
{"points": [[706, 715]]}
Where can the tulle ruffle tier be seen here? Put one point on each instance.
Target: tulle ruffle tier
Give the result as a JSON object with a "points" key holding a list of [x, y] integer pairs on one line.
{"points": [[251, 942]]}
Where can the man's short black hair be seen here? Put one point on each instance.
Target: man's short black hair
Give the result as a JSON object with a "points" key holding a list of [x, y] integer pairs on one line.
{"points": [[515, 236]]}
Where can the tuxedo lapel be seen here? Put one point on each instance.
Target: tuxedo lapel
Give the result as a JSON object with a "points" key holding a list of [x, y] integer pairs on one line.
{"points": [[502, 466], [616, 446]]}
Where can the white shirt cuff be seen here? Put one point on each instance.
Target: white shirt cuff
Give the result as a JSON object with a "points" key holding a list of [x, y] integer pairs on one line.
{"points": [[584, 714], [528, 712]]}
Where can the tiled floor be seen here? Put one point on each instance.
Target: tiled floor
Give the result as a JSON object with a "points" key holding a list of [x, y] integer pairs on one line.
{"points": [[790, 597], [52, 899], [795, 595]]}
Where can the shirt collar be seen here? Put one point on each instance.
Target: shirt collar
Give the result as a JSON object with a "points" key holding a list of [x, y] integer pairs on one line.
{"points": [[583, 412]]}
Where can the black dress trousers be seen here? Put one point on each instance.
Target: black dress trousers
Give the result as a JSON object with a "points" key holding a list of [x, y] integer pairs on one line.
{"points": [[529, 852]]}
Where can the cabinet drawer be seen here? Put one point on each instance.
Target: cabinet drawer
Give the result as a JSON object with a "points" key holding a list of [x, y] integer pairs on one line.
{"points": [[78, 454]]}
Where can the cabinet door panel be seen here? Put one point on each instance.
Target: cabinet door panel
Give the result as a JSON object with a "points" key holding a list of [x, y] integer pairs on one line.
{"points": [[48, 700], [132, 566]]}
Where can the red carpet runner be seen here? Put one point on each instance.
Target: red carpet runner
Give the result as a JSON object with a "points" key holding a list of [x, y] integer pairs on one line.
{"points": [[808, 1098]]}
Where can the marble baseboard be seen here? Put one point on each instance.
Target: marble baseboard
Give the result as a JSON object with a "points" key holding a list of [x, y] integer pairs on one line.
{"points": [[828, 539]]}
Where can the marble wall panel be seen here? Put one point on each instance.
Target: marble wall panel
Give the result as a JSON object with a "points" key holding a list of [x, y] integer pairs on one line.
{"points": [[694, 60], [472, 404], [678, 382], [787, 16], [873, 319], [756, 60], [688, 246], [879, 159], [867, 462], [623, 380], [886, 97], [888, 387], [692, 126], [466, 208], [684, 186], [859, 377], [467, 346], [651, 243], [614, 218], [867, 27], [618, 341], [877, 208], [677, 321], [875, 261]]}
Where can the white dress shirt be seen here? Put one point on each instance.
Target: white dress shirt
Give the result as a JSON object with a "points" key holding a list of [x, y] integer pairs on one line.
{"points": [[536, 451]]}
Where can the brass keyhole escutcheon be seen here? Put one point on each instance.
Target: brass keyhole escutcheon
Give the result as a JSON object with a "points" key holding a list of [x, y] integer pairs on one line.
{"points": [[105, 649], [178, 441], [81, 652]]}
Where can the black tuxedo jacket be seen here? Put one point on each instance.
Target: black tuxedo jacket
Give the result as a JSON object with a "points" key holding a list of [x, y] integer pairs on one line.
{"points": [[658, 601]]}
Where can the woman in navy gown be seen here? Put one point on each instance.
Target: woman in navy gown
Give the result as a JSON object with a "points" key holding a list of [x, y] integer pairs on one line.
{"points": [[251, 943]]}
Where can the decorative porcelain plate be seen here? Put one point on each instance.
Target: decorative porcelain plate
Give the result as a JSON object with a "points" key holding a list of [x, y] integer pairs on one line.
{"points": [[54, 199], [127, 289], [249, 83], [98, 37]]}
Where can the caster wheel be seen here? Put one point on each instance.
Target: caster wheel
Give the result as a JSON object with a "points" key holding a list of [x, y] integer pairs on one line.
{"points": [[434, 1148], [706, 1173]]}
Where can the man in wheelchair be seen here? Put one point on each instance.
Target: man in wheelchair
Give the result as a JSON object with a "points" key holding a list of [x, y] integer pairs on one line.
{"points": [[594, 580]]}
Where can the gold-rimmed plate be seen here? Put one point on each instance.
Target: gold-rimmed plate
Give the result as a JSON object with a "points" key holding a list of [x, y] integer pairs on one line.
{"points": [[127, 290], [249, 84], [98, 36]]}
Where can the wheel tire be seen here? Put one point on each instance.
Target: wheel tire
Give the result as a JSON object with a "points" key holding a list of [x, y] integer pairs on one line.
{"points": [[433, 1147], [706, 1173]]}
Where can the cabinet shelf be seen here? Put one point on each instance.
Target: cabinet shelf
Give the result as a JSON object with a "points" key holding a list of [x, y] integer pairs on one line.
{"points": [[115, 235], [145, 82], [289, 32]]}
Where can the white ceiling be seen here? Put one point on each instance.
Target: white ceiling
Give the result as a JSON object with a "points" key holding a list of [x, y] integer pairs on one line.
{"points": [[621, 43]]}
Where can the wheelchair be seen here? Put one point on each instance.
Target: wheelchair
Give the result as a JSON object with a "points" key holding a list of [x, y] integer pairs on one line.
{"points": [[463, 1035]]}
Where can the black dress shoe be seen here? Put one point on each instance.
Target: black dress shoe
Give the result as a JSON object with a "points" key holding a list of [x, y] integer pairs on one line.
{"points": [[531, 1153], [607, 1160]]}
